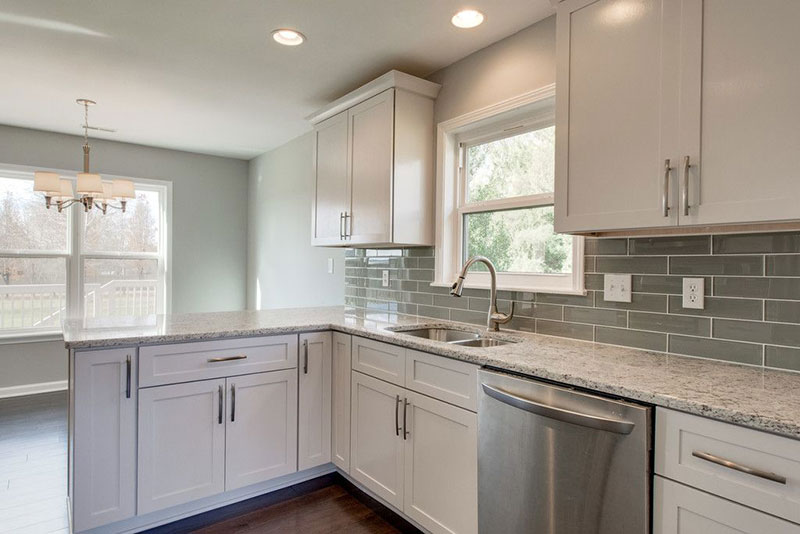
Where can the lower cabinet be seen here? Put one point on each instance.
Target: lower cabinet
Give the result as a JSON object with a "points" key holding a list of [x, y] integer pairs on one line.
{"points": [[201, 438], [417, 453], [314, 416], [680, 509], [340, 401]]}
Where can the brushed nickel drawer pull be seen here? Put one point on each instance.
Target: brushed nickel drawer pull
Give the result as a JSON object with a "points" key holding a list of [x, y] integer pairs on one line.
{"points": [[739, 467], [305, 357], [685, 188], [128, 377], [227, 359], [397, 416], [406, 404], [233, 403], [665, 192], [219, 405]]}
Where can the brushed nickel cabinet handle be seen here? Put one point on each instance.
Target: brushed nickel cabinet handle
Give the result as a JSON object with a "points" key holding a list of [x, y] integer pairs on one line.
{"points": [[685, 188], [219, 406], [397, 416], [233, 403], [405, 419], [724, 462], [341, 225], [128, 377], [305, 356], [227, 358], [665, 192], [348, 225]]}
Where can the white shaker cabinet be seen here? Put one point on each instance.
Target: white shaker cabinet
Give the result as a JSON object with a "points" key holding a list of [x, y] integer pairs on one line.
{"points": [[373, 165], [340, 401], [314, 406], [104, 437]]}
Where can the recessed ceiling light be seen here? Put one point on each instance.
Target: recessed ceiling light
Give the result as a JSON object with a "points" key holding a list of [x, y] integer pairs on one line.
{"points": [[467, 18], [288, 37]]}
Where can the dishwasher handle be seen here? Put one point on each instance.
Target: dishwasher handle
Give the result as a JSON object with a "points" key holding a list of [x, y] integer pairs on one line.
{"points": [[560, 414]]}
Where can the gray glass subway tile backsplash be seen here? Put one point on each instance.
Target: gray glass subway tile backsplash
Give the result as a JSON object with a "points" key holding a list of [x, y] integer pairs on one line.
{"points": [[752, 284]]}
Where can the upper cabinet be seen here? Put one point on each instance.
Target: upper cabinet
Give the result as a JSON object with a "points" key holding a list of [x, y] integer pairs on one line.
{"points": [[373, 165], [676, 113]]}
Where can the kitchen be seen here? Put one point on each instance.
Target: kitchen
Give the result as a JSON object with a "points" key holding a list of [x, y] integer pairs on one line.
{"points": [[533, 269]]}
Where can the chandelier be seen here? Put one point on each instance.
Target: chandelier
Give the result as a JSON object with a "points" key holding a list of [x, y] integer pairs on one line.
{"points": [[93, 192]]}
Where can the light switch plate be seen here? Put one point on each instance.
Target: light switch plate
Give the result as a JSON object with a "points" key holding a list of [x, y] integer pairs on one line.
{"points": [[694, 293], [330, 265], [617, 288], [385, 278]]}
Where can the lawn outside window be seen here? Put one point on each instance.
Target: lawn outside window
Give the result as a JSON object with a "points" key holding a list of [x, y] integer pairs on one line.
{"points": [[495, 182]]}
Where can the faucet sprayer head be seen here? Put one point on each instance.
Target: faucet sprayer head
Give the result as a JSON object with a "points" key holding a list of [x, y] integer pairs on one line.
{"points": [[457, 287]]}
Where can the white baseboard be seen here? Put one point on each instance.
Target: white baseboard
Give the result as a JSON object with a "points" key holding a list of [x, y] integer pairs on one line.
{"points": [[32, 389]]}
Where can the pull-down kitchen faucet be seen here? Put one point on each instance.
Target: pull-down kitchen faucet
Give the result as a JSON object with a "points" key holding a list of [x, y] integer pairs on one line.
{"points": [[495, 318]]}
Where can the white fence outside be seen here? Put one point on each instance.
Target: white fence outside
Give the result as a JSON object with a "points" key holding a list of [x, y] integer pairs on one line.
{"points": [[44, 305]]}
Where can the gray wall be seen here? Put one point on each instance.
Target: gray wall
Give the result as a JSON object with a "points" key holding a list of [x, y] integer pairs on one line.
{"points": [[284, 270], [209, 227]]}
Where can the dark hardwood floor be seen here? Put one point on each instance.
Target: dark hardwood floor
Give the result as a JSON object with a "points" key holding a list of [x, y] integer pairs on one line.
{"points": [[33, 488], [33, 464]]}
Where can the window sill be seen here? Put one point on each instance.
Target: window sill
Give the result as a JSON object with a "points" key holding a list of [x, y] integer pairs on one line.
{"points": [[500, 287], [30, 337]]}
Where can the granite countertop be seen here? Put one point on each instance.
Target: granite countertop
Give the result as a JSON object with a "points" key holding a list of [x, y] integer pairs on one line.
{"points": [[758, 398]]}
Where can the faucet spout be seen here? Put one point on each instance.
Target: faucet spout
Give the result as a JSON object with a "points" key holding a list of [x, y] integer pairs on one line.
{"points": [[494, 318]]}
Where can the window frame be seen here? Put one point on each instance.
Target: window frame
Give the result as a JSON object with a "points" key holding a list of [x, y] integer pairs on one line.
{"points": [[75, 256], [527, 112]]}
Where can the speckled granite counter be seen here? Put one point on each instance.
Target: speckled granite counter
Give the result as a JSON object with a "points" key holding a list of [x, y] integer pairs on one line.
{"points": [[758, 398]]}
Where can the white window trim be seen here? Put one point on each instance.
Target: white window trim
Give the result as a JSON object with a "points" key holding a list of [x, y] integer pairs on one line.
{"points": [[523, 112], [74, 256]]}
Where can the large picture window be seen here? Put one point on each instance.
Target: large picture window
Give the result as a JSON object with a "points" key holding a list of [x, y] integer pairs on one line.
{"points": [[74, 264]]}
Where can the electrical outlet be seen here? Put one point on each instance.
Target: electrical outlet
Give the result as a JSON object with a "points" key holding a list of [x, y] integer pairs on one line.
{"points": [[617, 288], [330, 265], [385, 279], [694, 293]]}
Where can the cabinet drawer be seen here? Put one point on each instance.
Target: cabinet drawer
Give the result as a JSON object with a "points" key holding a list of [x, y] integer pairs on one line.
{"points": [[688, 447], [380, 360], [185, 362], [679, 509], [442, 378]]}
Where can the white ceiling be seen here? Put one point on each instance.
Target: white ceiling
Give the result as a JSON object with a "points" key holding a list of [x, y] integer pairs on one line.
{"points": [[205, 76]]}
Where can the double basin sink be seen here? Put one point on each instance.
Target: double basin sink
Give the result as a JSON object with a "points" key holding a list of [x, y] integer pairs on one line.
{"points": [[454, 336]]}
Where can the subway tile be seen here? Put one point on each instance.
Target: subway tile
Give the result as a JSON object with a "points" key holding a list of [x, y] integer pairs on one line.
{"points": [[605, 247], [425, 275], [783, 311], [426, 263], [755, 243], [349, 253], [658, 284], [421, 298], [538, 310], [758, 332], [466, 316], [589, 264], [408, 285], [481, 304], [713, 348], [718, 265], [782, 358], [557, 328], [639, 301], [720, 307], [664, 246], [594, 281], [596, 316], [628, 264], [631, 338], [661, 322], [523, 324], [788, 265], [419, 252], [765, 288], [571, 300], [436, 313], [425, 287], [446, 301]]}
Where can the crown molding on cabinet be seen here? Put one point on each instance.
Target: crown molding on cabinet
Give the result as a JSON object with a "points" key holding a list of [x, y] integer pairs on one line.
{"points": [[393, 78]]}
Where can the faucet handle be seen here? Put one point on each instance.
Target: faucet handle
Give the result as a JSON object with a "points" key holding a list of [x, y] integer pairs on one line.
{"points": [[507, 317]]}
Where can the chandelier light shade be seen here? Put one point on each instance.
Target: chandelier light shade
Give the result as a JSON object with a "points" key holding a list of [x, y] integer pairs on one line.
{"points": [[93, 192]]}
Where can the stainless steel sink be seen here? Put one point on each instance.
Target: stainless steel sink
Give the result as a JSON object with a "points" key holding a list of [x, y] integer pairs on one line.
{"points": [[482, 342], [456, 337]]}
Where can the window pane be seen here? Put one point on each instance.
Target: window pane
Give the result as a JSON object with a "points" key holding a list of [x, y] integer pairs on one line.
{"points": [[518, 241], [120, 287], [32, 293], [514, 166], [136, 230], [25, 222]]}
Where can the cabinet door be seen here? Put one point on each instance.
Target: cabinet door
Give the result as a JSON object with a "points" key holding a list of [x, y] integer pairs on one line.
{"points": [[104, 439], [371, 156], [315, 400], [679, 509], [181, 443], [617, 114], [739, 111], [340, 401], [376, 441], [441, 466], [332, 173], [261, 428]]}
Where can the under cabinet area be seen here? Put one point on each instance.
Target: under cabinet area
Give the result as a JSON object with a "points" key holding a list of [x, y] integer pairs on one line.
{"points": [[373, 165], [667, 120]]}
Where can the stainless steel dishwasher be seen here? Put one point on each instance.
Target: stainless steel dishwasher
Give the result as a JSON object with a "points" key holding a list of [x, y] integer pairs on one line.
{"points": [[552, 460]]}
